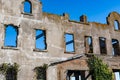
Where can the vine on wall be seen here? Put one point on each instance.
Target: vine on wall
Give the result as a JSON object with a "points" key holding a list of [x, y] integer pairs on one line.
{"points": [[41, 72], [9, 70]]}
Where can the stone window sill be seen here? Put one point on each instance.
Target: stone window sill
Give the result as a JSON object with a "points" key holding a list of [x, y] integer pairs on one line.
{"points": [[38, 50], [8, 47], [69, 52], [30, 14], [116, 30]]}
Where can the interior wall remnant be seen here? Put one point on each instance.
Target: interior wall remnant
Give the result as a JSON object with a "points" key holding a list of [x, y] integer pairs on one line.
{"points": [[102, 42], [88, 44], [41, 39], [115, 47], [69, 42]]}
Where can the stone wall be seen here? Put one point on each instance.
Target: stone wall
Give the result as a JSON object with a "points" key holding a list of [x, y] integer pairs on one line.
{"points": [[11, 12]]}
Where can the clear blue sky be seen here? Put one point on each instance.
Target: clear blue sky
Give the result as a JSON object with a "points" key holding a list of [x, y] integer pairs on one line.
{"points": [[95, 10]]}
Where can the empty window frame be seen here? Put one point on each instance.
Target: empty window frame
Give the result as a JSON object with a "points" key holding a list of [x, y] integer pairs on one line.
{"points": [[11, 34], [102, 42], [88, 44], [116, 25], [69, 42], [115, 47], [75, 75], [40, 39], [27, 6]]}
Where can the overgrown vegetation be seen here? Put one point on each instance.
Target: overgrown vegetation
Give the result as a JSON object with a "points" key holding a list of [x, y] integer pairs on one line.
{"points": [[9, 70], [99, 70], [41, 72]]}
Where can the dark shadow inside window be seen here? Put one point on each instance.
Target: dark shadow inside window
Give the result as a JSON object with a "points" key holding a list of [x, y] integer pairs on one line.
{"points": [[102, 42], [75, 75], [115, 47], [11, 74]]}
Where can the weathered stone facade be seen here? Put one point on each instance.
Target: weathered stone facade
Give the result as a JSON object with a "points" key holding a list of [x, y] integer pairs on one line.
{"points": [[11, 12]]}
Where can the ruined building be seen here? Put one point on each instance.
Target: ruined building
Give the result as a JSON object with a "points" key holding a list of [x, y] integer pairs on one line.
{"points": [[32, 38]]}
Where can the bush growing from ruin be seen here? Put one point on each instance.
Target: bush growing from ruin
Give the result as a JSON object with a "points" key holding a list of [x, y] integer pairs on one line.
{"points": [[8, 69], [99, 70], [41, 72]]}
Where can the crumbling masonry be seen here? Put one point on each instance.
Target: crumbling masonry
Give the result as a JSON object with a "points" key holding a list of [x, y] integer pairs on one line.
{"points": [[34, 26]]}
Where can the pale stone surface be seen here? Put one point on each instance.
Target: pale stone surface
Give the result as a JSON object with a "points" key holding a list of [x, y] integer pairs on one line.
{"points": [[11, 12], [2, 77]]}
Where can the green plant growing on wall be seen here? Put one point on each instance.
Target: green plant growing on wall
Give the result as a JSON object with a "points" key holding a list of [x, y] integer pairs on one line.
{"points": [[6, 68], [41, 72], [99, 70]]}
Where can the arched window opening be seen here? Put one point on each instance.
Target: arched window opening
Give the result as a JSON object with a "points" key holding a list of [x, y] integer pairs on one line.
{"points": [[11, 33], [115, 47], [27, 6], [116, 25]]}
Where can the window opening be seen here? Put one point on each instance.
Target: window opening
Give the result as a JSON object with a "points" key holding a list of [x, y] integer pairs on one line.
{"points": [[11, 33], [116, 74], [69, 42], [115, 47], [40, 39], [116, 25], [27, 7], [75, 75], [11, 74], [88, 44], [102, 42]]}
